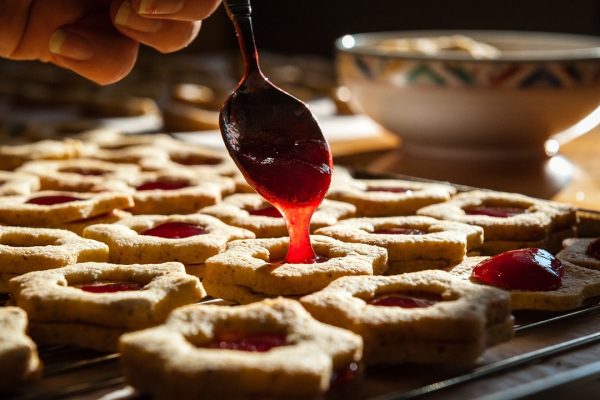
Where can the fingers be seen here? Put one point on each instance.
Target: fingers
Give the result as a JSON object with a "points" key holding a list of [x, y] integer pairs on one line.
{"points": [[180, 10], [162, 34]]}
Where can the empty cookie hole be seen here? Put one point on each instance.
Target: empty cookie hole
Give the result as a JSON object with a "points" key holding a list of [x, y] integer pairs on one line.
{"points": [[399, 230], [21, 240], [390, 189]]}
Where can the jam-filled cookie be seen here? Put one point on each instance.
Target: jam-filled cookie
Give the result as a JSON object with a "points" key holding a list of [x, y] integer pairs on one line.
{"points": [[584, 252], [79, 175], [268, 349], [535, 279], [18, 183], [19, 362], [509, 220], [259, 265], [24, 250], [413, 243], [92, 304], [387, 197], [419, 317], [252, 212], [53, 208], [13, 156]]}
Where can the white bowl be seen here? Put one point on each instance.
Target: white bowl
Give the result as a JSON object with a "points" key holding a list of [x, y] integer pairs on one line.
{"points": [[454, 103]]}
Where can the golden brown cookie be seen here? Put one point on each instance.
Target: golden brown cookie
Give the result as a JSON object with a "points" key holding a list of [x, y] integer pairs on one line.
{"points": [[272, 348], [14, 156], [18, 183], [584, 252], [413, 242], [109, 218], [420, 317]]}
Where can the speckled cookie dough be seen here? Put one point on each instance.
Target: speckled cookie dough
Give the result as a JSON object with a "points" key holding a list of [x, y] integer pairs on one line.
{"points": [[109, 218], [57, 303], [259, 265], [139, 239], [178, 360], [577, 251], [18, 183], [413, 242], [34, 210], [13, 156], [388, 197], [252, 212], [454, 328]]}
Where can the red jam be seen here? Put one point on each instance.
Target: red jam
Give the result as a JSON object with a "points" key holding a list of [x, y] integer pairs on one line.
{"points": [[191, 161], [593, 249], [344, 375], [163, 185], [399, 231], [259, 342], [524, 269], [410, 299], [51, 200], [174, 230], [84, 171], [318, 259], [387, 189], [109, 287], [494, 211], [269, 211]]}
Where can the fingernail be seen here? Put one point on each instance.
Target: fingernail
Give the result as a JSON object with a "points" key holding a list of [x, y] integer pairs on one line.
{"points": [[127, 18], [70, 45], [160, 6]]}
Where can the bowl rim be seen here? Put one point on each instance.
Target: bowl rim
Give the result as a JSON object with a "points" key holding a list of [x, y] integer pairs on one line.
{"points": [[359, 46]]}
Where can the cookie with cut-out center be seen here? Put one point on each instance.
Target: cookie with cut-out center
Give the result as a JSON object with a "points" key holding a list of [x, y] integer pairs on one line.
{"points": [[18, 183], [575, 286], [79, 175], [53, 208], [109, 218], [13, 156], [584, 252], [413, 242], [259, 265], [252, 212], [419, 317], [387, 197], [509, 220], [19, 362], [271, 348], [189, 239], [91, 304]]}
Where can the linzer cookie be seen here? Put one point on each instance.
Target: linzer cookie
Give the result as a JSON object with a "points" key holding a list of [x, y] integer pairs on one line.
{"points": [[252, 212], [535, 279], [13, 156], [19, 362], [387, 197], [413, 243], [509, 220], [53, 208], [18, 183], [189, 239], [268, 349], [420, 317], [176, 192], [79, 175], [259, 265], [584, 252], [92, 304]]}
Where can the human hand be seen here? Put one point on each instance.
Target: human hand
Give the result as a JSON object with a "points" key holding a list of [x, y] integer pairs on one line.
{"points": [[98, 39]]}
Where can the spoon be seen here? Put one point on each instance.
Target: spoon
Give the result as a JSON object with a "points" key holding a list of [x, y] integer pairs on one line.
{"points": [[275, 141]]}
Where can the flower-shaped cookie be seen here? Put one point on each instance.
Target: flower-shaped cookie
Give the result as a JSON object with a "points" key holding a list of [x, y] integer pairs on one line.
{"points": [[92, 304], [259, 265], [19, 360], [420, 317], [577, 285], [79, 175], [584, 252], [413, 243], [18, 183], [272, 348], [189, 239], [252, 212], [509, 220], [13, 156], [51, 208], [387, 197]]}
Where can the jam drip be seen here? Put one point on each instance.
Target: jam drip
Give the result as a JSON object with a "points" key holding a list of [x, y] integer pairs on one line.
{"points": [[524, 269], [258, 342], [494, 211], [406, 299], [51, 200], [162, 185], [174, 230], [593, 249], [388, 189], [109, 287], [269, 211], [399, 231]]}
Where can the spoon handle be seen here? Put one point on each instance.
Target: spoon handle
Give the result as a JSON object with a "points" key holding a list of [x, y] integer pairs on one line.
{"points": [[239, 11]]}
